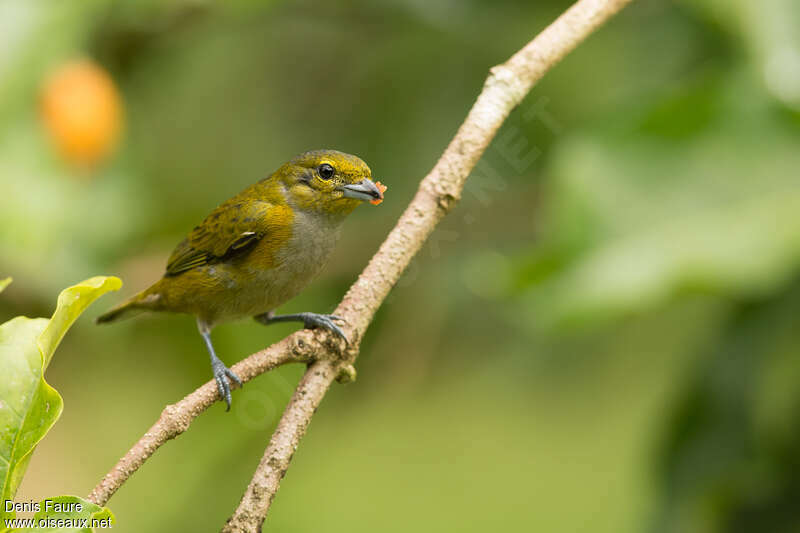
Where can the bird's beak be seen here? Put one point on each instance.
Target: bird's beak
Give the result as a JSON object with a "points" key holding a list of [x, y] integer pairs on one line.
{"points": [[365, 190]]}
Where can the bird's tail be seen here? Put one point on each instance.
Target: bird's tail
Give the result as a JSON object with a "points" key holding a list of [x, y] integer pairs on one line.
{"points": [[142, 302]]}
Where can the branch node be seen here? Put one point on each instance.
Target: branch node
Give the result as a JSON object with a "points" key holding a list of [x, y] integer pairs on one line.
{"points": [[299, 347], [347, 374], [447, 201], [514, 88]]}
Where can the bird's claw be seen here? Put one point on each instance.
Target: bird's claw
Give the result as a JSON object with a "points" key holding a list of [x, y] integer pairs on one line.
{"points": [[314, 320], [232, 376], [221, 375]]}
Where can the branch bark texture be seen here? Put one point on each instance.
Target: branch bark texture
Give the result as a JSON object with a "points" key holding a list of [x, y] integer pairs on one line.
{"points": [[439, 191], [176, 418]]}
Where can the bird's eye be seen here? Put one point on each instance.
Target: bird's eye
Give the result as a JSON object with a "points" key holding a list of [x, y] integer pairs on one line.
{"points": [[326, 171]]}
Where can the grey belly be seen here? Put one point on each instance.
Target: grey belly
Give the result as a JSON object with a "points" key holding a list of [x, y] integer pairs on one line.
{"points": [[303, 258]]}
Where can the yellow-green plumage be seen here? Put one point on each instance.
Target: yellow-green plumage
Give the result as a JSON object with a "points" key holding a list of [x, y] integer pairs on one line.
{"points": [[260, 248]]}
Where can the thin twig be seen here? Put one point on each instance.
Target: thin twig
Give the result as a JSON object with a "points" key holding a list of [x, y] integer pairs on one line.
{"points": [[505, 88], [282, 445], [175, 418]]}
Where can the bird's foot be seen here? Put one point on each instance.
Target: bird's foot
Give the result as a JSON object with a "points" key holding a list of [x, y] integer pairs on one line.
{"points": [[222, 375], [309, 320], [316, 320]]}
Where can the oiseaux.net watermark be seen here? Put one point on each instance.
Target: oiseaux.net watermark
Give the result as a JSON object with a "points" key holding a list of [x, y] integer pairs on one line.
{"points": [[514, 149], [51, 522]]}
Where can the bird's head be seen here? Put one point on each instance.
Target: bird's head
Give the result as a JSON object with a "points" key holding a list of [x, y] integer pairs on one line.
{"points": [[327, 181]]}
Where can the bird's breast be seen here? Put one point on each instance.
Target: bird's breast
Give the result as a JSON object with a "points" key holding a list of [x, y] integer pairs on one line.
{"points": [[274, 276]]}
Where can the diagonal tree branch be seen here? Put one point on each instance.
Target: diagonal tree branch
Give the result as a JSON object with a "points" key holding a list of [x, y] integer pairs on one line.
{"points": [[176, 418], [439, 191], [505, 88]]}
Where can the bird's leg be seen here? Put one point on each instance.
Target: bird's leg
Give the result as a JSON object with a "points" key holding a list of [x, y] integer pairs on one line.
{"points": [[309, 320], [221, 372]]}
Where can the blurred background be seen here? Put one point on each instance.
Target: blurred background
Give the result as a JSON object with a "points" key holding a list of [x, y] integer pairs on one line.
{"points": [[604, 335]]}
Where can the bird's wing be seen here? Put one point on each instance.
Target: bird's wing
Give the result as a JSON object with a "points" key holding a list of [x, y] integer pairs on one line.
{"points": [[231, 229]]}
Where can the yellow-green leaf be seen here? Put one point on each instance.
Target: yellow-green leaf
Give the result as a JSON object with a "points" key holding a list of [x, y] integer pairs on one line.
{"points": [[71, 303], [28, 405]]}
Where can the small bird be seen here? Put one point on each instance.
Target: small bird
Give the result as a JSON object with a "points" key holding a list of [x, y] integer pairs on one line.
{"points": [[260, 249]]}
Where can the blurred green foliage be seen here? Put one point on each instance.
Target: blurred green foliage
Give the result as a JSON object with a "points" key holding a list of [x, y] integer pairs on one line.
{"points": [[603, 335]]}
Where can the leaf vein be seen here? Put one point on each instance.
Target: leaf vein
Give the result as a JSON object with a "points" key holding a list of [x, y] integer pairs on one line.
{"points": [[10, 407]]}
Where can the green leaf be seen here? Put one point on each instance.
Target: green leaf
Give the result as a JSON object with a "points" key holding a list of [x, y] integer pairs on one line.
{"points": [[28, 405], [71, 303], [65, 514], [4, 283]]}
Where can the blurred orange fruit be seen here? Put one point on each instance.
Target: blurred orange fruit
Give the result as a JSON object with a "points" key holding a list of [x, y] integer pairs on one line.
{"points": [[82, 110]]}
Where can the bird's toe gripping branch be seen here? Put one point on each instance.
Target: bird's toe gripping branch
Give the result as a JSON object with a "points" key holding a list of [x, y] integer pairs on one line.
{"points": [[222, 374], [314, 320], [224, 377], [309, 320], [347, 372]]}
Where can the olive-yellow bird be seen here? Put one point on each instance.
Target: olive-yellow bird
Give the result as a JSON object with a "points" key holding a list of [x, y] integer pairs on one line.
{"points": [[259, 249]]}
